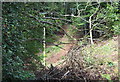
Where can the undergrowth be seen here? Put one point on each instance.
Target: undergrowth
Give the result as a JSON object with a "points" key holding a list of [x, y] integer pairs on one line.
{"points": [[102, 58]]}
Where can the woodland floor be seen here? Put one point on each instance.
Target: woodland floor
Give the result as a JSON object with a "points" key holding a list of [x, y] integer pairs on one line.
{"points": [[57, 56], [102, 53]]}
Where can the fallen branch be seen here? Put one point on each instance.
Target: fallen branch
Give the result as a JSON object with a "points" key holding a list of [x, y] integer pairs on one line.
{"points": [[57, 45], [66, 43], [65, 74]]}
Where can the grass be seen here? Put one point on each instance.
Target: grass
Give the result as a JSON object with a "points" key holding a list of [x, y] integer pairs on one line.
{"points": [[104, 55]]}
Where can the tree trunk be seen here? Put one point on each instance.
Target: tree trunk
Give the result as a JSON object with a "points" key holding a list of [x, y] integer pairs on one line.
{"points": [[90, 27]]}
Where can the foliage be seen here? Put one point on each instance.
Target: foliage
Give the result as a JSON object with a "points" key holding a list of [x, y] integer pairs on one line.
{"points": [[107, 76], [23, 25], [23, 36], [106, 19], [16, 51]]}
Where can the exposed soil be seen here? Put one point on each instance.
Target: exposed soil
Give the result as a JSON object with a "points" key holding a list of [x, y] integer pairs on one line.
{"points": [[66, 47], [57, 56]]}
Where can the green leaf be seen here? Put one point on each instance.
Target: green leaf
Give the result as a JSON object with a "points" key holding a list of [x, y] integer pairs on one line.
{"points": [[107, 76], [81, 24]]}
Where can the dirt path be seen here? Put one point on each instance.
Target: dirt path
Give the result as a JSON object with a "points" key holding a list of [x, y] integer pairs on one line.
{"points": [[57, 56]]}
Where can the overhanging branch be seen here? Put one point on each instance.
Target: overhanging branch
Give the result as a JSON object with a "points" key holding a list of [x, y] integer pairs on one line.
{"points": [[58, 19], [46, 22], [75, 17]]}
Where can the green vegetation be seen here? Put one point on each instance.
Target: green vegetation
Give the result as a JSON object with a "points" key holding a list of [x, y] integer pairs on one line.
{"points": [[103, 55], [22, 32]]}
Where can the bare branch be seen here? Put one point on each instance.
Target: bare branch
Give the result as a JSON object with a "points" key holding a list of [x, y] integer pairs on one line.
{"points": [[57, 19], [80, 11], [95, 11], [32, 39], [99, 22], [77, 16], [104, 15]]}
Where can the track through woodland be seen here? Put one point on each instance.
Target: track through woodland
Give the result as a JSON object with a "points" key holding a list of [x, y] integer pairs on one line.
{"points": [[66, 48], [74, 65]]}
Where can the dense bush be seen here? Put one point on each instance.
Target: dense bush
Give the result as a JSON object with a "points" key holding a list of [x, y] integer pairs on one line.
{"points": [[16, 51]]}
